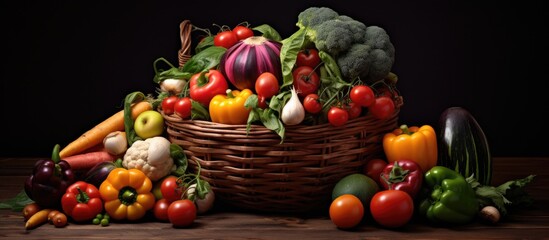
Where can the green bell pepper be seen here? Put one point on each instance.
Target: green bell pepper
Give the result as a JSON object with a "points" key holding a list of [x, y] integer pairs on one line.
{"points": [[451, 199]]}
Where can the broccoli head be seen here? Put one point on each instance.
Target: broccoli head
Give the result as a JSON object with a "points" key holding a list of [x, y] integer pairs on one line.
{"points": [[355, 62], [360, 51], [315, 15], [370, 60], [329, 31], [333, 36], [358, 29], [379, 39]]}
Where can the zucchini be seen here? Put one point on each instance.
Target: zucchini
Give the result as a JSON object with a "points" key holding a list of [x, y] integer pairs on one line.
{"points": [[462, 145]]}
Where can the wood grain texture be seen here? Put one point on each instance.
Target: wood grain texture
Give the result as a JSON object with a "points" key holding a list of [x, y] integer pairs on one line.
{"points": [[227, 223]]}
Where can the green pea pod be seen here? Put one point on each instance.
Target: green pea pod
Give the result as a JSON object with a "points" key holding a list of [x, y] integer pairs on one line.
{"points": [[450, 199]]}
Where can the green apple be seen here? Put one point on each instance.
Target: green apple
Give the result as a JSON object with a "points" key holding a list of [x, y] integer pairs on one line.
{"points": [[149, 124], [156, 189]]}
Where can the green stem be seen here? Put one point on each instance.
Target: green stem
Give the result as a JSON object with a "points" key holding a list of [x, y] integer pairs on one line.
{"points": [[160, 59], [55, 154], [127, 196], [82, 197], [398, 174], [405, 129], [202, 79], [56, 158], [229, 93]]}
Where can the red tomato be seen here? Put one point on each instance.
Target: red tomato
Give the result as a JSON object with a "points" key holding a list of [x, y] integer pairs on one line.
{"points": [[337, 116], [170, 189], [346, 211], [373, 169], [308, 57], [183, 107], [362, 95], [204, 86], [382, 108], [354, 110], [160, 209], [306, 80], [266, 85], [225, 39], [182, 213], [312, 104], [392, 208], [168, 104], [242, 32]]}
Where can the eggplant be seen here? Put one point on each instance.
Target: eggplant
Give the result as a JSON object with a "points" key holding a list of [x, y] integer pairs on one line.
{"points": [[463, 146], [98, 173]]}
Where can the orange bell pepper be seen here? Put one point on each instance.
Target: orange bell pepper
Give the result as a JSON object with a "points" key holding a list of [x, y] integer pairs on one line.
{"points": [[127, 194], [418, 144], [229, 108]]}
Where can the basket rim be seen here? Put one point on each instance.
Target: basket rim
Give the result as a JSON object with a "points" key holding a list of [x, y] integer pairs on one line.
{"points": [[261, 129]]}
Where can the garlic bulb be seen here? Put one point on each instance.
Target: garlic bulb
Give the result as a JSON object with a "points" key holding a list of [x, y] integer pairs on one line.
{"points": [[293, 112], [173, 86], [115, 143]]}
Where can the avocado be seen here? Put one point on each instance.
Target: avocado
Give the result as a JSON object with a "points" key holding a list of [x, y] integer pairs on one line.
{"points": [[357, 184]]}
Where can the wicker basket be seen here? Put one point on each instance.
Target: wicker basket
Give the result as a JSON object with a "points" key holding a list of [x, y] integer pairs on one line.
{"points": [[255, 171]]}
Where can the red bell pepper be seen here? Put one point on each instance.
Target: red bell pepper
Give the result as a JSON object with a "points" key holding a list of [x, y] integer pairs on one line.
{"points": [[82, 201], [204, 86], [403, 175]]}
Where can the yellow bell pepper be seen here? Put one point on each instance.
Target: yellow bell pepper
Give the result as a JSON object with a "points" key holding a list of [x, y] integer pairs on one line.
{"points": [[418, 144], [127, 194], [229, 109]]}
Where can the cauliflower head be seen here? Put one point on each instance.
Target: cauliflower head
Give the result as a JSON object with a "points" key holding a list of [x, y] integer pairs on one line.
{"points": [[151, 156]]}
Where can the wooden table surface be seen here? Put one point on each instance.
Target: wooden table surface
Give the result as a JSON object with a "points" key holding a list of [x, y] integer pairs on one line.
{"points": [[524, 223]]}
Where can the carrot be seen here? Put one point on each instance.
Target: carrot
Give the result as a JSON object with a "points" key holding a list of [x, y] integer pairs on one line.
{"points": [[96, 134], [38, 219], [96, 148], [85, 161]]}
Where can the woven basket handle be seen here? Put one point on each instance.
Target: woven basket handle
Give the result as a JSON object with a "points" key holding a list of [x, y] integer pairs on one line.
{"points": [[184, 53]]}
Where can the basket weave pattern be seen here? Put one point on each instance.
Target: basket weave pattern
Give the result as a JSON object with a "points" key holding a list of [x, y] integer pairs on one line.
{"points": [[254, 170]]}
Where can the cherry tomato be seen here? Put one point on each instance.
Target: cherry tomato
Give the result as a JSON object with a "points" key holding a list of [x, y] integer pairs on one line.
{"points": [[168, 104], [182, 213], [183, 107], [225, 39], [362, 95], [307, 57], [266, 85], [170, 188], [242, 32], [306, 81], [346, 211], [354, 110], [373, 169], [312, 104], [160, 209], [382, 108], [392, 208], [337, 116]]}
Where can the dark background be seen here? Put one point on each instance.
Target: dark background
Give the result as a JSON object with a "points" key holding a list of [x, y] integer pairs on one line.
{"points": [[68, 65]]}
